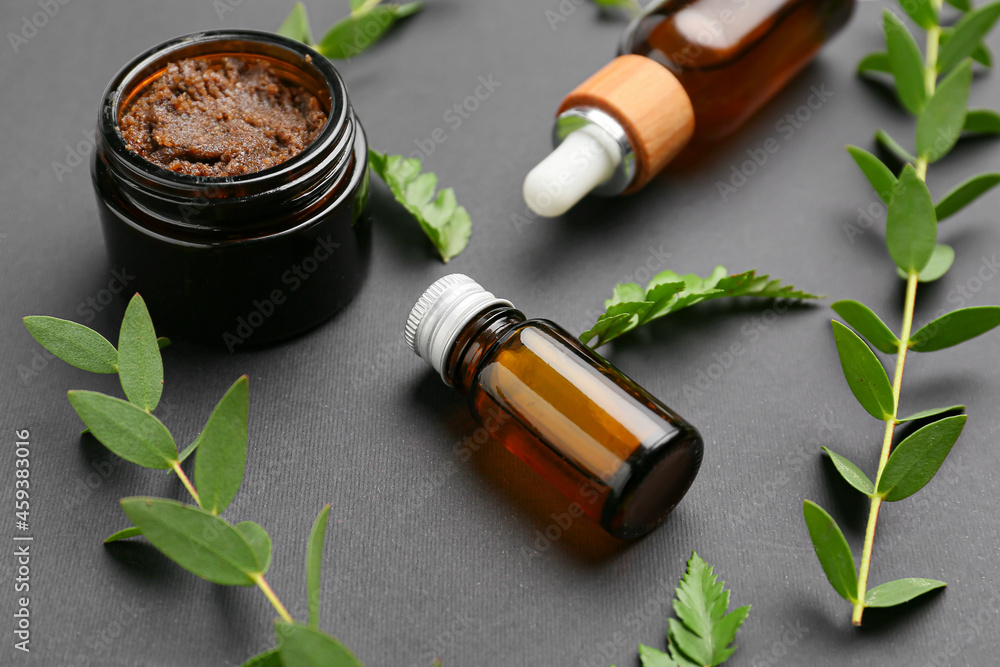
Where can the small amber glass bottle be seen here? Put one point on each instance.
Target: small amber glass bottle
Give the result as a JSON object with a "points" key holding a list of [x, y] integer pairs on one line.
{"points": [[686, 68], [623, 457]]}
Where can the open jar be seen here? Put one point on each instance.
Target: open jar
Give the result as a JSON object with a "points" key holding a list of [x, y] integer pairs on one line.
{"points": [[243, 259]]}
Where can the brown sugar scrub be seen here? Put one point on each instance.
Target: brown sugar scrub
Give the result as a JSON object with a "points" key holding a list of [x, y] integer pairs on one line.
{"points": [[222, 116]]}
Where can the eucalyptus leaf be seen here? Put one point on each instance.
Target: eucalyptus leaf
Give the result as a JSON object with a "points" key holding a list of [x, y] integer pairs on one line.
{"points": [[983, 55], [893, 147], [74, 343], [259, 541], [955, 327], [965, 194], [868, 324], [982, 121], [221, 449], [198, 541], [296, 26], [941, 260], [923, 12], [851, 473], [963, 5], [270, 658], [314, 563], [163, 342], [875, 62], [140, 367], [899, 591], [940, 123], [906, 63], [967, 34], [123, 534], [303, 646], [932, 412], [879, 175], [911, 227], [356, 33], [125, 429], [864, 373], [915, 461], [832, 551]]}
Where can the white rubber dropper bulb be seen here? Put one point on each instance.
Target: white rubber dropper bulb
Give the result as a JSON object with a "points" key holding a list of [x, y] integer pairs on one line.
{"points": [[586, 158]]}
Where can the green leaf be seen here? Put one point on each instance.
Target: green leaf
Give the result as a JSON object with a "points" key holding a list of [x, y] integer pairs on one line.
{"points": [[650, 657], [123, 534], [703, 632], [941, 122], [967, 34], [875, 62], [188, 451], [445, 223], [851, 473], [879, 175], [864, 373], [883, 139], [922, 12], [266, 659], [965, 194], [668, 293], [201, 543], [140, 367], [303, 646], [296, 26], [918, 458], [897, 592], [941, 261], [906, 62], [221, 449], [868, 324], [911, 228], [956, 327], [353, 35], [259, 541], [982, 121], [933, 412], [832, 550], [963, 5], [131, 433], [983, 55], [630, 6], [74, 343], [163, 342], [314, 563]]}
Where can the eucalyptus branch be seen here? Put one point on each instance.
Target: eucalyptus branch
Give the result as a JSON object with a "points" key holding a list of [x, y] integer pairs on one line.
{"points": [[911, 238]]}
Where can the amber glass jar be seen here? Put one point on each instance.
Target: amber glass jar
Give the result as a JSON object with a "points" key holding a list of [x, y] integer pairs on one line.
{"points": [[248, 259]]}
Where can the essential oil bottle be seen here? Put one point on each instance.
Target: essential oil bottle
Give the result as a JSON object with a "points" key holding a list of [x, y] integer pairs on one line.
{"points": [[623, 457], [686, 68]]}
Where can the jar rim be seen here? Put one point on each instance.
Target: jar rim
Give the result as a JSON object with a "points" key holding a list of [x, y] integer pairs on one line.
{"points": [[156, 58]]}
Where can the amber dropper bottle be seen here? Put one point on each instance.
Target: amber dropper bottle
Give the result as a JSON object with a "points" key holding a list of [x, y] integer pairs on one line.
{"points": [[621, 456], [686, 68]]}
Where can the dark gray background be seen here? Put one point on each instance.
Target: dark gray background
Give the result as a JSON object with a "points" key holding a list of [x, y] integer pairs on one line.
{"points": [[428, 555]]}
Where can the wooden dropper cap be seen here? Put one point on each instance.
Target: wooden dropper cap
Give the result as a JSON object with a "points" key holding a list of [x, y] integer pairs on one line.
{"points": [[649, 103]]}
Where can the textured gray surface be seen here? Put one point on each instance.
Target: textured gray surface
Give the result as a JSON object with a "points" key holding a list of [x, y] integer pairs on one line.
{"points": [[428, 555]]}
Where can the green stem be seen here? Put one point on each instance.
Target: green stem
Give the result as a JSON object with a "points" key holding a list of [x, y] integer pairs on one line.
{"points": [[176, 465], [270, 595]]}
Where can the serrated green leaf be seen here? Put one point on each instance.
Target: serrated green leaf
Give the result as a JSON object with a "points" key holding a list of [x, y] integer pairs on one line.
{"points": [[915, 461], [923, 12], [221, 449], [955, 327], [445, 223], [940, 123], [125, 429], [879, 175], [851, 473], [356, 33], [650, 657], [123, 534], [296, 25], [932, 412], [894, 148], [266, 659], [259, 541], [74, 343], [198, 541], [967, 34], [906, 63], [868, 324], [899, 591], [982, 121], [303, 646], [864, 373], [965, 194], [911, 228], [875, 62], [626, 292], [703, 632], [831, 549], [314, 563], [140, 367]]}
